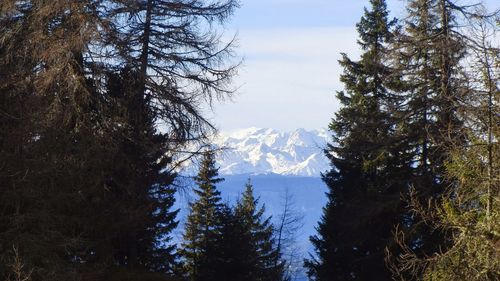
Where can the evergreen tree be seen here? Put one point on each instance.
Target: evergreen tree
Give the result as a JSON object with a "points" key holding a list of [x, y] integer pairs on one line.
{"points": [[234, 249], [224, 243], [430, 51], [140, 182], [369, 165], [259, 234], [70, 205], [467, 211], [202, 230]]}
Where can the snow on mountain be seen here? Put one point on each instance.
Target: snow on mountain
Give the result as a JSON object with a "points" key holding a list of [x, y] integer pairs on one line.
{"points": [[265, 151], [277, 163]]}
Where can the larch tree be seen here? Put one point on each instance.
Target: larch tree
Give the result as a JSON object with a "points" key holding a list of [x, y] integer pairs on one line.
{"points": [[178, 56], [66, 133], [288, 224], [50, 107], [174, 61], [177, 62]]}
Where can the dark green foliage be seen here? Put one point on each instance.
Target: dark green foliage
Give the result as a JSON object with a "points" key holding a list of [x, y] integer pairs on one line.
{"points": [[455, 91], [246, 248], [370, 168], [420, 125], [140, 185], [393, 136], [429, 53], [262, 256], [203, 227], [234, 248], [86, 181], [225, 244]]}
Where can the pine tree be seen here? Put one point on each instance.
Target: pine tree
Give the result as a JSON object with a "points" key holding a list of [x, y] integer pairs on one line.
{"points": [[369, 165], [203, 226], [263, 254]]}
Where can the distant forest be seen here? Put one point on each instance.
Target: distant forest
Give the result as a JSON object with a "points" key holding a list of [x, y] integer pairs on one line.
{"points": [[101, 101]]}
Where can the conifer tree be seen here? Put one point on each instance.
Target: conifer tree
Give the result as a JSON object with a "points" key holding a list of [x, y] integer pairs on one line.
{"points": [[234, 249], [202, 230], [289, 223], [68, 205], [179, 62], [430, 50], [232, 244], [140, 182], [48, 162], [467, 211], [369, 165], [259, 231], [173, 65]]}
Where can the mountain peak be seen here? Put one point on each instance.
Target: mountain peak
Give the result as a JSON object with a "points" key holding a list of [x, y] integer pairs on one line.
{"points": [[265, 150]]}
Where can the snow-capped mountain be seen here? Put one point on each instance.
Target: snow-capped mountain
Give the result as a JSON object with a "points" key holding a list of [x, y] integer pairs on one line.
{"points": [[278, 164], [264, 151]]}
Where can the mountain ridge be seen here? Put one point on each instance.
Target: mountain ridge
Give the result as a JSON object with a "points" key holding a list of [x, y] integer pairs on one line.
{"points": [[269, 151]]}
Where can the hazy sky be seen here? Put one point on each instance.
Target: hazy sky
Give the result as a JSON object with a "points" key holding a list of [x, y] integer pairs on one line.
{"points": [[290, 50]]}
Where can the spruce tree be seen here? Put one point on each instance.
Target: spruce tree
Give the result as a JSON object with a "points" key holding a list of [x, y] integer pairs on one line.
{"points": [[263, 258], [467, 209], [203, 226], [70, 205], [369, 165], [430, 51], [235, 251], [140, 183]]}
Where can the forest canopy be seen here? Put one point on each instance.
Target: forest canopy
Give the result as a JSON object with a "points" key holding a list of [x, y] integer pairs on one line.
{"points": [[100, 100]]}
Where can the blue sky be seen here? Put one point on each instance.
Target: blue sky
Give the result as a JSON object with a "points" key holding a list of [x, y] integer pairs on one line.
{"points": [[290, 73]]}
